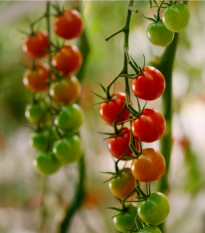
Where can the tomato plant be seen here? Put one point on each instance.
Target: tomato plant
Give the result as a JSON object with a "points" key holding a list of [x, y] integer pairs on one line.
{"points": [[35, 112], [150, 229]]}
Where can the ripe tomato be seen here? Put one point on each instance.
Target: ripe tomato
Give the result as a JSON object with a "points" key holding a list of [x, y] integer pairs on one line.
{"points": [[155, 209], [158, 34], [35, 80], [149, 85], [65, 91], [120, 144], [150, 229], [68, 60], [70, 118], [68, 149], [149, 166], [47, 163], [35, 112], [36, 45], [125, 221], [150, 126], [123, 184], [110, 110], [69, 25], [176, 17]]}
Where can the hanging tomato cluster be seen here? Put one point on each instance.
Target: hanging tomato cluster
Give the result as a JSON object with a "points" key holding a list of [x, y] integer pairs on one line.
{"points": [[55, 116]]}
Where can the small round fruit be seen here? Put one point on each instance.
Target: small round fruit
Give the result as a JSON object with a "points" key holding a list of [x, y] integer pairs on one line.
{"points": [[65, 91], [176, 17], [36, 45], [68, 149], [150, 229], [155, 209], [149, 166], [35, 112], [122, 185], [149, 85], [47, 163], [69, 25], [40, 141], [70, 118], [67, 60], [159, 35], [150, 126]]}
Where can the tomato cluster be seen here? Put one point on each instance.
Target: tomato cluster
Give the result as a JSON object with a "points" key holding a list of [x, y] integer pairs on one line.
{"points": [[55, 89]]}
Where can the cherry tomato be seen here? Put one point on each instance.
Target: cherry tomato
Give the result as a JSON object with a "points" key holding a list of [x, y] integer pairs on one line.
{"points": [[68, 60], [120, 144], [70, 118], [176, 17], [149, 85], [149, 166], [35, 112], [35, 80], [122, 185], [111, 109], [150, 126], [65, 91], [150, 229], [158, 34], [125, 221], [68, 149], [47, 163], [69, 25], [36, 45], [155, 209]]}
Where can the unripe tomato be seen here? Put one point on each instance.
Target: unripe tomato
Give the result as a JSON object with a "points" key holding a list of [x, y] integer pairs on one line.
{"points": [[68, 60], [35, 112], [47, 163], [69, 25], [149, 85], [68, 149], [122, 185], [155, 209], [65, 91], [125, 221], [110, 110], [158, 34], [36, 45], [176, 17], [149, 166], [70, 118], [35, 80], [150, 229], [150, 126]]}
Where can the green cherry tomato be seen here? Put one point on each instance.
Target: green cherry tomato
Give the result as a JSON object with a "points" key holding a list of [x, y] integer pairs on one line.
{"points": [[47, 163], [125, 221], [68, 149], [70, 118], [176, 17], [155, 209], [35, 112], [150, 229], [159, 35]]}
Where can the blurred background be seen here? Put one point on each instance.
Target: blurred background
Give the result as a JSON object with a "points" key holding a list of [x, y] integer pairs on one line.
{"points": [[21, 185]]}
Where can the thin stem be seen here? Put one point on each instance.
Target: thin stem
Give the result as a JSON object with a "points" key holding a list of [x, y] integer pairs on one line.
{"points": [[43, 207]]}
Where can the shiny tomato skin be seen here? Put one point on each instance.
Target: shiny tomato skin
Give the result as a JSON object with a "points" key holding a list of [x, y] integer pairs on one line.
{"points": [[35, 112], [36, 45], [122, 185], [120, 144], [155, 209], [67, 60], [150, 229], [69, 25], [35, 80], [150, 126], [65, 91], [149, 166], [149, 85], [110, 110]]}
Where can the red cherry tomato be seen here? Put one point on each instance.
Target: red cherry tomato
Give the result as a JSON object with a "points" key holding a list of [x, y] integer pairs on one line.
{"points": [[68, 60], [36, 45], [111, 109], [35, 80], [68, 25], [150, 126], [149, 85]]}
